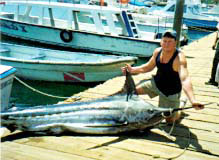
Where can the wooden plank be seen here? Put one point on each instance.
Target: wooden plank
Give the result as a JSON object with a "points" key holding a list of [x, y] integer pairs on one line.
{"points": [[192, 141], [203, 117], [212, 127], [17, 151], [184, 131], [154, 149], [205, 111], [77, 145], [94, 146]]}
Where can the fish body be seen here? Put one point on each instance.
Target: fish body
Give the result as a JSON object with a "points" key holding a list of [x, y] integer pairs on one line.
{"points": [[109, 115]]}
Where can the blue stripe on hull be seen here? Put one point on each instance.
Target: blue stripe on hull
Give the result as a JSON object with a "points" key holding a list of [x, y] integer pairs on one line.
{"points": [[7, 73], [200, 23]]}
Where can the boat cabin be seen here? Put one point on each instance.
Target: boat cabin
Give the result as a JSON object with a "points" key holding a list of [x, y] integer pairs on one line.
{"points": [[71, 17], [191, 7]]}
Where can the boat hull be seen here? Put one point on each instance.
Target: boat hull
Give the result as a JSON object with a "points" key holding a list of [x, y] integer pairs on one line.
{"points": [[200, 23], [61, 66], [65, 73], [6, 81], [80, 40]]}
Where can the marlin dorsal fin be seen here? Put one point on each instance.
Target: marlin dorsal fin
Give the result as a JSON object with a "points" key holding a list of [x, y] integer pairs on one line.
{"points": [[129, 86]]}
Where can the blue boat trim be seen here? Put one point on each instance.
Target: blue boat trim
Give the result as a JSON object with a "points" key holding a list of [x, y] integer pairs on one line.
{"points": [[7, 73], [128, 27], [200, 23]]}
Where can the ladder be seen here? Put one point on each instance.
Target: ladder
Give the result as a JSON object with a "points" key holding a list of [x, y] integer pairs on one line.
{"points": [[130, 25]]}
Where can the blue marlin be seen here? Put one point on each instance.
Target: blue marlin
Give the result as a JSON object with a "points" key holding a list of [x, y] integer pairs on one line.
{"points": [[110, 115]]}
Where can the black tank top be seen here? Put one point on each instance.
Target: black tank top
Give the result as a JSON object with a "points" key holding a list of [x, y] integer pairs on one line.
{"points": [[166, 79]]}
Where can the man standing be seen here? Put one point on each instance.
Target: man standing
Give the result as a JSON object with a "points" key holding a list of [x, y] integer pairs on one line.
{"points": [[171, 77], [215, 61]]}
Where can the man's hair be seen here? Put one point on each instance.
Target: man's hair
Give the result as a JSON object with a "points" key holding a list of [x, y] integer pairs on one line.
{"points": [[170, 34]]}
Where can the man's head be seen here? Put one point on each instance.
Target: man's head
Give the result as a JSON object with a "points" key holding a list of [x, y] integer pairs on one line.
{"points": [[168, 42], [170, 34]]}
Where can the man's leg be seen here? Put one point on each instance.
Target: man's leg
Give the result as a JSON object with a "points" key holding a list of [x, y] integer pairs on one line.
{"points": [[172, 101], [214, 70], [147, 88]]}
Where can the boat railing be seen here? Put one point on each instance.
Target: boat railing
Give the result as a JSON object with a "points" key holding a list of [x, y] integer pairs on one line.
{"points": [[47, 17]]}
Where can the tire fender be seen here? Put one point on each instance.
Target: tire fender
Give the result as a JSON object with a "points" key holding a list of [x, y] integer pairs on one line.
{"points": [[66, 36]]}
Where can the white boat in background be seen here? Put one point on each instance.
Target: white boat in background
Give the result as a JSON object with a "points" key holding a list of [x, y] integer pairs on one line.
{"points": [[157, 24], [213, 11], [59, 24], [148, 23], [192, 16], [6, 81], [62, 66]]}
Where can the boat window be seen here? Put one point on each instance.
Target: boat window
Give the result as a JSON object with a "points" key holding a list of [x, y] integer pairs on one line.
{"points": [[172, 8], [185, 9], [196, 9], [85, 17], [193, 10], [12, 8], [58, 13]]}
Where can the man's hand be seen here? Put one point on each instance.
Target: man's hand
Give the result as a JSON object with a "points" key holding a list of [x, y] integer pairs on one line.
{"points": [[127, 67], [197, 105]]}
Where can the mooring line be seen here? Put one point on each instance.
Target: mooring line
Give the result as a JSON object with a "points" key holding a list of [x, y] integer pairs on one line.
{"points": [[46, 94]]}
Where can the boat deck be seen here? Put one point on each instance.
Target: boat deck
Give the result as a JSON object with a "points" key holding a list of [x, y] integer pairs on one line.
{"points": [[195, 138]]}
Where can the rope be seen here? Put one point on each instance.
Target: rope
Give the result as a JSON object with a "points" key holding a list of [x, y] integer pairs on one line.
{"points": [[184, 150], [170, 137], [46, 94], [171, 130]]}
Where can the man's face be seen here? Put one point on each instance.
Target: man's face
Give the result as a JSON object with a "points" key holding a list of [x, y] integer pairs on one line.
{"points": [[168, 44]]}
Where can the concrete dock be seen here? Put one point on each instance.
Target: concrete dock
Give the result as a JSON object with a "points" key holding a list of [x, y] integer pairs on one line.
{"points": [[195, 138]]}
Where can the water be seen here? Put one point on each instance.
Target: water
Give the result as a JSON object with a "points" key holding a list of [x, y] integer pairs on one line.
{"points": [[23, 95]]}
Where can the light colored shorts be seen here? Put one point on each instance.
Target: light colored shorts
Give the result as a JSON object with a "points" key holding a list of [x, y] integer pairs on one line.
{"points": [[150, 88]]}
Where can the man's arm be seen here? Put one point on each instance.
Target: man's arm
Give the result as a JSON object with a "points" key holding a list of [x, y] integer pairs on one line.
{"points": [[147, 67], [186, 82]]}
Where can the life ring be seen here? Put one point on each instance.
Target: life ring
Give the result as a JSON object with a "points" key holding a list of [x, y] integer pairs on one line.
{"points": [[66, 36]]}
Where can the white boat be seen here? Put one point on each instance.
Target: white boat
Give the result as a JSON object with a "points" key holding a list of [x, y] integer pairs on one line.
{"points": [[192, 16], [6, 81], [213, 11], [157, 24], [59, 24], [61, 66], [148, 23]]}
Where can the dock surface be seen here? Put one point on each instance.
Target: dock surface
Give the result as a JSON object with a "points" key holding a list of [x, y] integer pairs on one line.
{"points": [[195, 138]]}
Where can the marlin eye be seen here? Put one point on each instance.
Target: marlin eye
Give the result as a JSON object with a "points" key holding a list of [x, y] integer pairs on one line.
{"points": [[166, 114], [150, 111]]}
